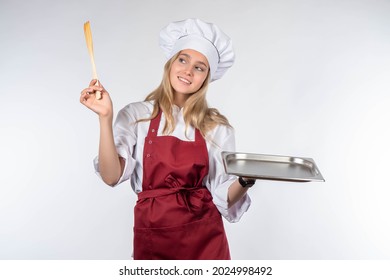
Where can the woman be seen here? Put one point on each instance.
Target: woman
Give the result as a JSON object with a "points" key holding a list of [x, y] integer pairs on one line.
{"points": [[170, 146]]}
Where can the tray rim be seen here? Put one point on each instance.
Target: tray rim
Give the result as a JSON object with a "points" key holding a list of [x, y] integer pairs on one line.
{"points": [[317, 178]]}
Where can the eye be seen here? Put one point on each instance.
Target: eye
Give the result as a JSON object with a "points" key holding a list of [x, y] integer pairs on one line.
{"points": [[182, 60], [200, 69]]}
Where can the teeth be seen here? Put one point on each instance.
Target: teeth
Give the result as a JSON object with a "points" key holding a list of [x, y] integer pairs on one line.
{"points": [[184, 80]]}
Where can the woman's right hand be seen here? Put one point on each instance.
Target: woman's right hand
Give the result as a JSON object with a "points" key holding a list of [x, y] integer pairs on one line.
{"points": [[103, 107]]}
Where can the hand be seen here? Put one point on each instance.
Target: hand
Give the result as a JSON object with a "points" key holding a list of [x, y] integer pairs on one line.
{"points": [[103, 107]]}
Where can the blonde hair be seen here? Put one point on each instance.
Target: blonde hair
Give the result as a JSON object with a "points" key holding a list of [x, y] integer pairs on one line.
{"points": [[196, 111]]}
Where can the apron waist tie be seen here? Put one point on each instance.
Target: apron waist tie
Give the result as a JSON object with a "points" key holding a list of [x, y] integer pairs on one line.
{"points": [[176, 188]]}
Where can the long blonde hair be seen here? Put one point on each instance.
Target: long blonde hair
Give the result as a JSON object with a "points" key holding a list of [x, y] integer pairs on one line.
{"points": [[196, 111]]}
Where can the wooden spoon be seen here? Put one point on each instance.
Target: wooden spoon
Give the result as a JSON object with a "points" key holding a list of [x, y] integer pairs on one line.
{"points": [[88, 39]]}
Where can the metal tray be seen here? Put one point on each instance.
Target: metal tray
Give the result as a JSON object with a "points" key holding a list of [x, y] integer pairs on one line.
{"points": [[271, 167]]}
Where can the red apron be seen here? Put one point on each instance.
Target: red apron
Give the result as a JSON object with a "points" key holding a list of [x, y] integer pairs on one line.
{"points": [[175, 217]]}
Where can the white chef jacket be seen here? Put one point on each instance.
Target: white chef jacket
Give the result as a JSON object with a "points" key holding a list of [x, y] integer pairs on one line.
{"points": [[129, 136]]}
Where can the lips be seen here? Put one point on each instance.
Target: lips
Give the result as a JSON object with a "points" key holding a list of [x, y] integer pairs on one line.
{"points": [[184, 80]]}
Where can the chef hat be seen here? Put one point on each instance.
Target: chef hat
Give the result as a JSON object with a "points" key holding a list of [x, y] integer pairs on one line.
{"points": [[203, 37]]}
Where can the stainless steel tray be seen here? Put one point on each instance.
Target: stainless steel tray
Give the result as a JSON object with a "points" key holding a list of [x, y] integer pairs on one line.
{"points": [[271, 167]]}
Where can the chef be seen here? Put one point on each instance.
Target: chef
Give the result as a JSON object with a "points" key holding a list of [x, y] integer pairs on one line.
{"points": [[169, 147]]}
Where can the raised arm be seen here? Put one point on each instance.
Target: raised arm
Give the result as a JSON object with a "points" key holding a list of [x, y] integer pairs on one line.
{"points": [[110, 164]]}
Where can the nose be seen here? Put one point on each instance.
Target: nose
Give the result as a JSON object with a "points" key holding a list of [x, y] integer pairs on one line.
{"points": [[188, 70]]}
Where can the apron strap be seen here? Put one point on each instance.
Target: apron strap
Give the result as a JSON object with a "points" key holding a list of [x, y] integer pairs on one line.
{"points": [[155, 124]]}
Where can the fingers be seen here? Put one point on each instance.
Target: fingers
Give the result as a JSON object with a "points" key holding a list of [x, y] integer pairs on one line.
{"points": [[93, 93], [85, 95], [97, 83], [93, 88], [93, 82]]}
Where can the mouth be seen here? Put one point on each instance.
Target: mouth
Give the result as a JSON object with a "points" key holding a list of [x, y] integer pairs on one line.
{"points": [[184, 80]]}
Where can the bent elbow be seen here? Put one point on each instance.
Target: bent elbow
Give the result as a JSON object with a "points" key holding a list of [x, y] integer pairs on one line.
{"points": [[112, 182]]}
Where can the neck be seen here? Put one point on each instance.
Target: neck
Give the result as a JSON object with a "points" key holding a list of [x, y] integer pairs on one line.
{"points": [[180, 99]]}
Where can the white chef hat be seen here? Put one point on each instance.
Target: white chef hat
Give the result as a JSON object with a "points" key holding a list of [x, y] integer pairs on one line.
{"points": [[203, 37]]}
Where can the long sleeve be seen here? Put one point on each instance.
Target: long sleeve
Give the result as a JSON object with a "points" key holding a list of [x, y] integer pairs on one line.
{"points": [[218, 182], [126, 130]]}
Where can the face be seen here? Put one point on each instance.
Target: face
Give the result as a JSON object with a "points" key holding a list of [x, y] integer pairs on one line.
{"points": [[188, 73]]}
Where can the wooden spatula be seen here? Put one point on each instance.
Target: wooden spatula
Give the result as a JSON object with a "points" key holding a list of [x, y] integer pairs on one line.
{"points": [[88, 39]]}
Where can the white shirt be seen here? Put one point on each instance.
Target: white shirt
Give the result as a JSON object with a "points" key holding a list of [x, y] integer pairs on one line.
{"points": [[129, 136]]}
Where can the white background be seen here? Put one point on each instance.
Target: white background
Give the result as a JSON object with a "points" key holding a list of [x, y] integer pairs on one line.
{"points": [[311, 79]]}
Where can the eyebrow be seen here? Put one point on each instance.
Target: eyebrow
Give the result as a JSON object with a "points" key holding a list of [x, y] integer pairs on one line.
{"points": [[201, 62]]}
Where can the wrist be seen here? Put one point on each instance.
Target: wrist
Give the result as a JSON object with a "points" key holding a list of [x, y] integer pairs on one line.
{"points": [[106, 119], [246, 182]]}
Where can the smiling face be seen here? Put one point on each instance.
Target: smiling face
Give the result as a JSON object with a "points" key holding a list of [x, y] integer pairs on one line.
{"points": [[187, 75]]}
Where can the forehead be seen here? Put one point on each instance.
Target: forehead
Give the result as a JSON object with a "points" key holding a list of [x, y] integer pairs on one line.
{"points": [[195, 55]]}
